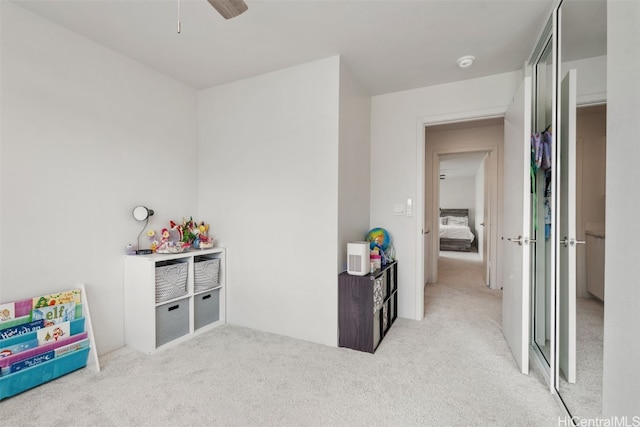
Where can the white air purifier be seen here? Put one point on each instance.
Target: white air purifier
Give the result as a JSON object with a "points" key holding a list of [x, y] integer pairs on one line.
{"points": [[358, 258]]}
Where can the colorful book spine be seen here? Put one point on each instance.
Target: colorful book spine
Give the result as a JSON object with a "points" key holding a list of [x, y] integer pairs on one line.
{"points": [[21, 329]]}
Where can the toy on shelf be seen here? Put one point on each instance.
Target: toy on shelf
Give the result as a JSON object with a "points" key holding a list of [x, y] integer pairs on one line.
{"points": [[181, 237], [380, 245]]}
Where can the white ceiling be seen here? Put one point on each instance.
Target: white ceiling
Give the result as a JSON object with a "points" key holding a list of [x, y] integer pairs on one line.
{"points": [[389, 45]]}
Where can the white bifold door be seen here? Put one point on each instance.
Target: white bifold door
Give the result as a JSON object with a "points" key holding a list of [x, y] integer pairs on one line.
{"points": [[515, 240]]}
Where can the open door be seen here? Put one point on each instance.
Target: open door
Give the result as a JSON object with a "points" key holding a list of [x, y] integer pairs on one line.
{"points": [[567, 229], [486, 221], [516, 225]]}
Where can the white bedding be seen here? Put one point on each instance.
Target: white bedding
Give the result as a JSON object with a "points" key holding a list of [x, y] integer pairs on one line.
{"points": [[456, 232]]}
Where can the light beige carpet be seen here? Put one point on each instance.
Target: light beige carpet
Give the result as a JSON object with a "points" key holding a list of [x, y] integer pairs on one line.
{"points": [[451, 369]]}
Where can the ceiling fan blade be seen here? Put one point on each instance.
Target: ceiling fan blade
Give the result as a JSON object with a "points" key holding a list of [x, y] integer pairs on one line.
{"points": [[229, 8]]}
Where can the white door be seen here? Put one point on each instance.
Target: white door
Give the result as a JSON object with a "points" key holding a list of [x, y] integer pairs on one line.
{"points": [[516, 225], [567, 229], [486, 221]]}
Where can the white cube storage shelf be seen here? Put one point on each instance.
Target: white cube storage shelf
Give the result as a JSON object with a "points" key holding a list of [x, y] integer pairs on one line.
{"points": [[151, 323]]}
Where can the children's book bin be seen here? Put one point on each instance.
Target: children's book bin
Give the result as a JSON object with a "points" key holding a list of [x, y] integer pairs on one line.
{"points": [[34, 351]]}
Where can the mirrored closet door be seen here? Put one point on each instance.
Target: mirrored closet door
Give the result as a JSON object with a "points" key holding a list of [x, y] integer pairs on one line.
{"points": [[581, 183], [568, 149]]}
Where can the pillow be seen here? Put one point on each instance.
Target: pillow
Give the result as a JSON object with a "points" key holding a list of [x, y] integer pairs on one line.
{"points": [[443, 220], [458, 220]]}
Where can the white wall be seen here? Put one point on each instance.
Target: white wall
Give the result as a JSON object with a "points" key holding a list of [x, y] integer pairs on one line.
{"points": [[353, 163], [621, 373], [396, 123], [591, 78], [459, 192], [86, 135], [269, 186]]}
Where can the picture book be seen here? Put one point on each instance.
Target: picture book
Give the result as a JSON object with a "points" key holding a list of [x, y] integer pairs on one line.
{"points": [[71, 347], [32, 361], [55, 314], [53, 333], [25, 328], [58, 298], [7, 312], [17, 348]]}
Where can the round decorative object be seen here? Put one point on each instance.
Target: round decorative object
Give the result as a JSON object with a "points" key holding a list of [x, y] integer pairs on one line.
{"points": [[379, 237]]}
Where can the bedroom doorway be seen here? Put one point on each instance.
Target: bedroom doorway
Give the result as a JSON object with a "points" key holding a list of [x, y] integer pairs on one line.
{"points": [[463, 171], [462, 201]]}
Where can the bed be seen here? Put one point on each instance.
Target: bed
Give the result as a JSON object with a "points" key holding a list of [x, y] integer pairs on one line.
{"points": [[455, 233]]}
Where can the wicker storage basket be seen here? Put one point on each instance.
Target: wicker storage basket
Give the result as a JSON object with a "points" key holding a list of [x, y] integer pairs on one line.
{"points": [[171, 280], [206, 272]]}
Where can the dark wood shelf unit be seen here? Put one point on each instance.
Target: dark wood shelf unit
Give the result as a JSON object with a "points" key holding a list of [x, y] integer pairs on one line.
{"points": [[367, 307]]}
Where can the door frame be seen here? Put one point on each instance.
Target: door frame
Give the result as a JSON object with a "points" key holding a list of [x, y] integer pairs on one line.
{"points": [[426, 230]]}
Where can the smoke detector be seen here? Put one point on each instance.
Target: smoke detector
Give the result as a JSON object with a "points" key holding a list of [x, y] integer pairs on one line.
{"points": [[466, 61]]}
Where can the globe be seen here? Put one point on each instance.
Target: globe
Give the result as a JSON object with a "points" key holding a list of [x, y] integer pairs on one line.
{"points": [[379, 237]]}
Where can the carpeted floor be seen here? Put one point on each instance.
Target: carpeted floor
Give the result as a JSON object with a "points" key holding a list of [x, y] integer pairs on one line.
{"points": [[453, 368], [584, 398]]}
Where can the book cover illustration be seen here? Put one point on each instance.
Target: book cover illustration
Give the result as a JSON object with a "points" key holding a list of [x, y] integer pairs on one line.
{"points": [[32, 361], [17, 348], [55, 314], [64, 297], [7, 312], [25, 328], [53, 333]]}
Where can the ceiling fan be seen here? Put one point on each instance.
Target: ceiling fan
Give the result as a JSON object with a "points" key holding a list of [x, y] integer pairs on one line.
{"points": [[229, 8]]}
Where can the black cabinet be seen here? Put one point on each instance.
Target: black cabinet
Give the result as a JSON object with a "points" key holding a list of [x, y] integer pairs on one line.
{"points": [[367, 307]]}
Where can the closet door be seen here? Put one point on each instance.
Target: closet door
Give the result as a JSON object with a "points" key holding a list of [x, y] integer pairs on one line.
{"points": [[516, 226], [566, 238]]}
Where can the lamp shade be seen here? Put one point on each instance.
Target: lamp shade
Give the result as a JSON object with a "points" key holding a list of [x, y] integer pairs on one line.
{"points": [[142, 213]]}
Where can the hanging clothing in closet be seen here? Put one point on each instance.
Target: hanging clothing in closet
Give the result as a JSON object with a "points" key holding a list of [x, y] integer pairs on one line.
{"points": [[541, 150], [541, 143]]}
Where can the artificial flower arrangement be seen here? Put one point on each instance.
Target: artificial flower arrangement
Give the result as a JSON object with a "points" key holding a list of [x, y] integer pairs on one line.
{"points": [[189, 234]]}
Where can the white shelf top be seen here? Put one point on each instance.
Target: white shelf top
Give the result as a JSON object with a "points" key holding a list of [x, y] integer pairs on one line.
{"points": [[186, 254]]}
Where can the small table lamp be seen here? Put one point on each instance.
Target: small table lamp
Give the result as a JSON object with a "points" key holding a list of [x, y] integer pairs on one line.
{"points": [[142, 213]]}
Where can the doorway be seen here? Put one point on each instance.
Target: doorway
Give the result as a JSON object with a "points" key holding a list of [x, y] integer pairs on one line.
{"points": [[475, 147], [463, 204]]}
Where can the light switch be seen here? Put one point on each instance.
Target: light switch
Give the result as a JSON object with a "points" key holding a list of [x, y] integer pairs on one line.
{"points": [[398, 209], [409, 207]]}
